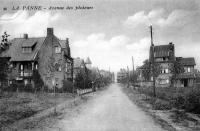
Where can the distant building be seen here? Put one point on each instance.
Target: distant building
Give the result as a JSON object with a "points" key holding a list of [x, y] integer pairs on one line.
{"points": [[48, 55], [88, 63], [78, 65], [164, 55], [122, 76]]}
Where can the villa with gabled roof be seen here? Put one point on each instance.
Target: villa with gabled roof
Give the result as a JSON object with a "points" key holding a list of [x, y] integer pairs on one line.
{"points": [[48, 55]]}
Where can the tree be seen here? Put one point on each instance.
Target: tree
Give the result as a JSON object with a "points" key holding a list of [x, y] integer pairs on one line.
{"points": [[176, 68], [38, 82], [80, 79], [4, 64], [4, 42], [3, 68], [146, 70], [133, 77]]}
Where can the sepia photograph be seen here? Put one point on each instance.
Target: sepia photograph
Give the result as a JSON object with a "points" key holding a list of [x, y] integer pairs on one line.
{"points": [[100, 65]]}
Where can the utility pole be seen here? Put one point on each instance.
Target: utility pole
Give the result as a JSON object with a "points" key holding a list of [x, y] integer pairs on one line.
{"points": [[153, 62], [133, 64], [128, 77], [100, 76]]}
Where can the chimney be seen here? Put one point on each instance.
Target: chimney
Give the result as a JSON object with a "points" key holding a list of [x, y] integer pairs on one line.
{"points": [[25, 36], [67, 42], [67, 46], [151, 31], [170, 43], [49, 31]]}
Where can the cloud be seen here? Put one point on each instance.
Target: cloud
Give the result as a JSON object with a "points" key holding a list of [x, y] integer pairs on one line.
{"points": [[22, 22], [143, 44], [140, 50], [177, 18], [158, 17], [141, 18], [115, 52]]}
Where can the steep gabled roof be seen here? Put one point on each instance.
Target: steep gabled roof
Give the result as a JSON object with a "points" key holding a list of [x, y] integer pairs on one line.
{"points": [[88, 61], [29, 42], [187, 61], [15, 49], [162, 50], [62, 43]]}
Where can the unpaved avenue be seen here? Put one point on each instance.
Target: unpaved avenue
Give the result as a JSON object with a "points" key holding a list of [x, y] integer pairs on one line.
{"points": [[110, 111]]}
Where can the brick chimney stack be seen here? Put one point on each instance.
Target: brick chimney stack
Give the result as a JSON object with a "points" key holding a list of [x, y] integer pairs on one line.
{"points": [[49, 31], [67, 42], [25, 36], [67, 46]]}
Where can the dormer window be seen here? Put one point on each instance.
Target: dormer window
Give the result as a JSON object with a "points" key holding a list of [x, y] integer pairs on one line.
{"points": [[26, 49], [57, 49], [28, 46]]}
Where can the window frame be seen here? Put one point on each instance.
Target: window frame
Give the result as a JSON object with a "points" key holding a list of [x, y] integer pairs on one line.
{"points": [[57, 49]]}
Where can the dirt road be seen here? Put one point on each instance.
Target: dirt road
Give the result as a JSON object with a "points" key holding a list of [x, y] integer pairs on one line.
{"points": [[111, 110]]}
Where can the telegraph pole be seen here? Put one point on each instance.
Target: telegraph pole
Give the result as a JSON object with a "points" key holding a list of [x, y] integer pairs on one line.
{"points": [[153, 62], [128, 77], [133, 64]]}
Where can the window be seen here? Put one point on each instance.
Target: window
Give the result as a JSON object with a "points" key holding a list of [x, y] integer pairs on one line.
{"points": [[57, 49], [36, 66], [166, 70], [189, 70], [164, 58], [26, 49], [25, 81], [66, 66], [21, 67], [59, 68]]}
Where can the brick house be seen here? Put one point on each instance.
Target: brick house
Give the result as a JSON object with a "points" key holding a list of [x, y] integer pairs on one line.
{"points": [[164, 55], [49, 55]]}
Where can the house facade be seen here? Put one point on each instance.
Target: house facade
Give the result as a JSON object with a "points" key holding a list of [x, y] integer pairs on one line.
{"points": [[164, 56], [188, 77], [48, 55]]}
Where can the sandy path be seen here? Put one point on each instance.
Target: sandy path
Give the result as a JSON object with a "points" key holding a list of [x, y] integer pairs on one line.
{"points": [[109, 111]]}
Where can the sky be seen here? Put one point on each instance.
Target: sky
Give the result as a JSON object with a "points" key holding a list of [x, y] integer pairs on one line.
{"points": [[114, 30]]}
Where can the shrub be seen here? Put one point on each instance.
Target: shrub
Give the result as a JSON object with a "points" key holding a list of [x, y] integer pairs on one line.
{"points": [[179, 101], [162, 105], [68, 86], [192, 101], [37, 80]]}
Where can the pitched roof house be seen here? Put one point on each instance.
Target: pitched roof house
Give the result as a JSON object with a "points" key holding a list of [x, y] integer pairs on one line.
{"points": [[187, 78], [164, 55], [49, 55]]}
